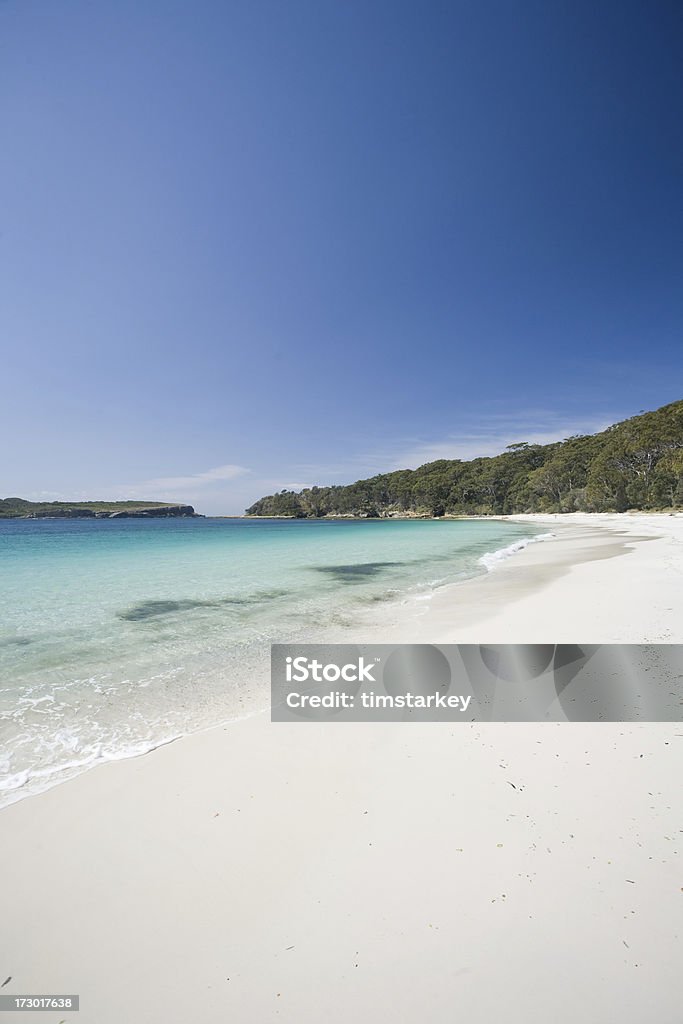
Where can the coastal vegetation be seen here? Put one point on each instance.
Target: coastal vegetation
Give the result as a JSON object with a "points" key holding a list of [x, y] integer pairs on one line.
{"points": [[20, 508], [635, 464]]}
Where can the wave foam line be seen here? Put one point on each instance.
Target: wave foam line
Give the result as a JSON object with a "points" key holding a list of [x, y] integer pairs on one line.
{"points": [[32, 781], [493, 558]]}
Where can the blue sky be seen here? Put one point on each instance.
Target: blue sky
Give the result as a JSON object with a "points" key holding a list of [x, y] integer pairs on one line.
{"points": [[253, 245]]}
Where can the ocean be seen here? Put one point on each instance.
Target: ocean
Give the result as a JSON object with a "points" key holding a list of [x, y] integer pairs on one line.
{"points": [[119, 635]]}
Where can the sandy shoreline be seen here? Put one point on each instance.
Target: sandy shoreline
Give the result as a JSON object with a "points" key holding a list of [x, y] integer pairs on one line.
{"points": [[575, 585], [311, 873]]}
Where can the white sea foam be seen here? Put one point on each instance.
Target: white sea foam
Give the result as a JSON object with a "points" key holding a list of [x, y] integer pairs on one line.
{"points": [[493, 558], [32, 781], [12, 782]]}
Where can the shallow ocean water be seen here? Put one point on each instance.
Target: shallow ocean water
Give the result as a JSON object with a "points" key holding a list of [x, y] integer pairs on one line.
{"points": [[119, 635]]}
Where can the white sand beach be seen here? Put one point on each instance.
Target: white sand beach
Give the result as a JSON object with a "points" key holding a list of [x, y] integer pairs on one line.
{"points": [[320, 873], [600, 578]]}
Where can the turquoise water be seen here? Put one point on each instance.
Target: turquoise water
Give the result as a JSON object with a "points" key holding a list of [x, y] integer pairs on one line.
{"points": [[118, 635]]}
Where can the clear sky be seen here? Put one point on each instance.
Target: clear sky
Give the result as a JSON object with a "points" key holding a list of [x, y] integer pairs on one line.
{"points": [[250, 245]]}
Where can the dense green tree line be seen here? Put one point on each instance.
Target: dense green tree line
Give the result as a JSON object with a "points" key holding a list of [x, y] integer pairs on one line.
{"points": [[636, 464]]}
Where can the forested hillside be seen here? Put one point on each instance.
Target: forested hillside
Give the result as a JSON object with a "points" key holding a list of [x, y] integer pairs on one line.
{"points": [[636, 464]]}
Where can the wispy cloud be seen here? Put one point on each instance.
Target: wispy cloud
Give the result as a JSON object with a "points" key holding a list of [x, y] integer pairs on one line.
{"points": [[191, 482], [231, 488], [489, 436], [493, 436], [209, 476]]}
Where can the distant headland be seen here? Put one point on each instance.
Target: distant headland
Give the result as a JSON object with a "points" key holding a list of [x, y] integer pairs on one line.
{"points": [[20, 508]]}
